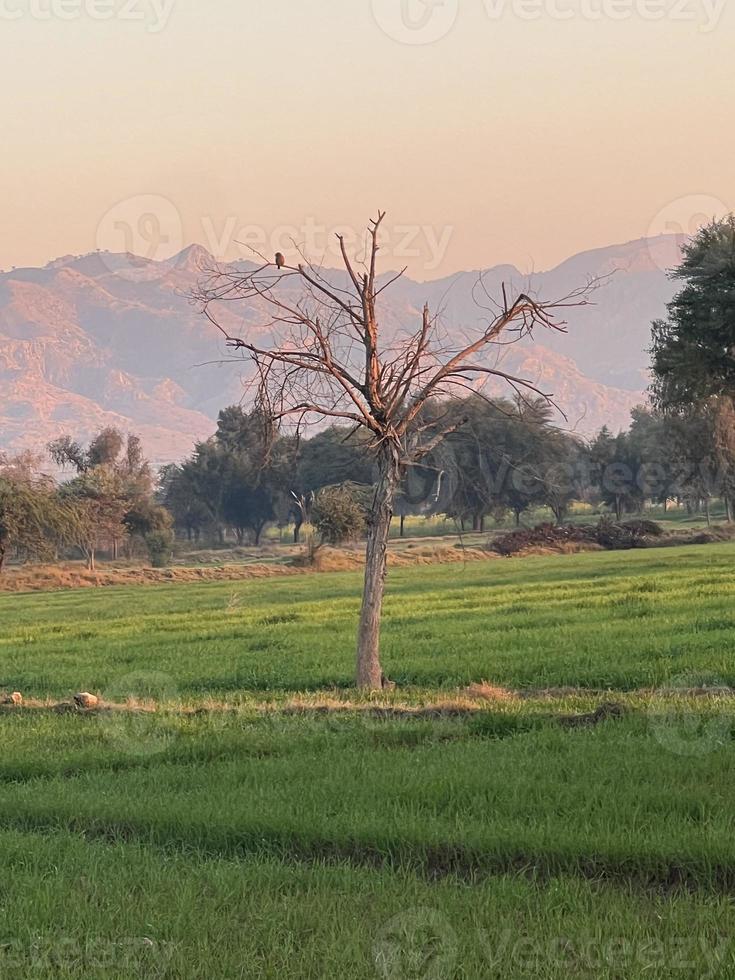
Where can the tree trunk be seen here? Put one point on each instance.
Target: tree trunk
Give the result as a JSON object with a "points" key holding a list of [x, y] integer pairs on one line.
{"points": [[369, 671], [2, 557], [403, 521], [300, 513]]}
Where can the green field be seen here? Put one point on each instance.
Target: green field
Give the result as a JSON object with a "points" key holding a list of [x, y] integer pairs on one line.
{"points": [[248, 828]]}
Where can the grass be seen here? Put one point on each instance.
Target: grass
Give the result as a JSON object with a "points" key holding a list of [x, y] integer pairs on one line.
{"points": [[621, 620], [267, 918], [247, 828]]}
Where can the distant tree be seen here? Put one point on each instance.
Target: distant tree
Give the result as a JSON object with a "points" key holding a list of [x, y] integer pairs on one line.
{"points": [[232, 478], [694, 347], [259, 472], [67, 452], [472, 460], [152, 524], [105, 448], [692, 442], [96, 506], [559, 472], [468, 487], [146, 517], [31, 520], [501, 459], [201, 478], [335, 455], [246, 433], [724, 437], [651, 445], [274, 476], [693, 353], [615, 467], [179, 494], [525, 477], [247, 501], [234, 428], [120, 469]]}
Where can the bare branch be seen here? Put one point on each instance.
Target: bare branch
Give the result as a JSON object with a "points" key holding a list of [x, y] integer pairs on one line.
{"points": [[327, 356]]}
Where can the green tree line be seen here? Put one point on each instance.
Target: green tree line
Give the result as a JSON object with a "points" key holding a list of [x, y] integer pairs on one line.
{"points": [[506, 460]]}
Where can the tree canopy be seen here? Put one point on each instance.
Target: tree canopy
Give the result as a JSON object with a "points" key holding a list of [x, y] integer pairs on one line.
{"points": [[693, 349]]}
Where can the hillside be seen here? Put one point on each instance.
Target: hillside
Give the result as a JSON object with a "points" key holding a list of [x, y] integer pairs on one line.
{"points": [[105, 339]]}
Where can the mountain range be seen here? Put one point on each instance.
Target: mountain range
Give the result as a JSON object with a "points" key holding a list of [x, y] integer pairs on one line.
{"points": [[113, 339]]}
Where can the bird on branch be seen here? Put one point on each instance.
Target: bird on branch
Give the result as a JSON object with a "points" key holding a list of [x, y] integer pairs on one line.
{"points": [[280, 260]]}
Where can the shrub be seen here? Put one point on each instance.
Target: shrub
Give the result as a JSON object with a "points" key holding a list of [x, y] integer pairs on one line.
{"points": [[160, 545], [338, 514]]}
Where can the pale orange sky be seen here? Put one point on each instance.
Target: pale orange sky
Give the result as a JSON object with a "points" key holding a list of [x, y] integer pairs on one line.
{"points": [[523, 136]]}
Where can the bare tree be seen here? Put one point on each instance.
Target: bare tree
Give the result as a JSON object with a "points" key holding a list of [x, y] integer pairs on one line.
{"points": [[327, 357]]}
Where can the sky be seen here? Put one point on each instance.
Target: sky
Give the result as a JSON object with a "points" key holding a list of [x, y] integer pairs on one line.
{"points": [[490, 131]]}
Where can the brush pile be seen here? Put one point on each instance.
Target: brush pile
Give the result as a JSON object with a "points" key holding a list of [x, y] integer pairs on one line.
{"points": [[607, 534]]}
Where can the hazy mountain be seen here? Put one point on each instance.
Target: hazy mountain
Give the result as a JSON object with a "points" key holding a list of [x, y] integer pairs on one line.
{"points": [[113, 339]]}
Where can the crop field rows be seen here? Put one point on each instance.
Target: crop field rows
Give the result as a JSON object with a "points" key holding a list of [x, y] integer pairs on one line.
{"points": [[249, 815]]}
